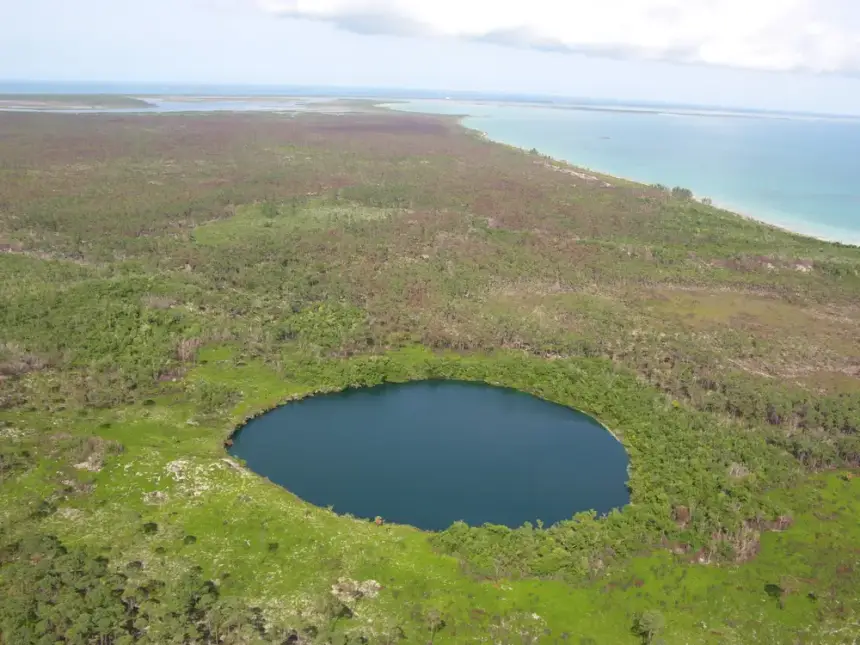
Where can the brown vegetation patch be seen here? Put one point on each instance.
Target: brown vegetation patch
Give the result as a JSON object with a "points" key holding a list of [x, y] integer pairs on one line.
{"points": [[750, 263], [187, 349], [85, 452], [14, 361], [386, 124], [681, 515]]}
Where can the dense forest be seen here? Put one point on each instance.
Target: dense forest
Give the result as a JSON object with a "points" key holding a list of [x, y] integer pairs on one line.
{"points": [[163, 278]]}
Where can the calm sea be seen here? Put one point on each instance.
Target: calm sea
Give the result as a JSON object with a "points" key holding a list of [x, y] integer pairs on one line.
{"points": [[798, 172]]}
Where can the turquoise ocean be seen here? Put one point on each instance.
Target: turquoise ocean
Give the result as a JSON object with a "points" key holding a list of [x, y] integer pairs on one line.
{"points": [[799, 172]]}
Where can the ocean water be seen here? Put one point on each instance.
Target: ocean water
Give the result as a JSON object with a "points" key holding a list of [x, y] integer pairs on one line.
{"points": [[798, 172]]}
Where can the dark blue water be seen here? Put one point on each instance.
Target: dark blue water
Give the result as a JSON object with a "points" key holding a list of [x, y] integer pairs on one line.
{"points": [[431, 453]]}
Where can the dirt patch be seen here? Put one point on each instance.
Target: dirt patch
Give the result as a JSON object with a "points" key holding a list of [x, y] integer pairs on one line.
{"points": [[347, 590], [155, 498]]}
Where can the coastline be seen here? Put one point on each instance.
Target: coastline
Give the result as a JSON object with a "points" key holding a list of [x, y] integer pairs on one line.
{"points": [[103, 104], [831, 235], [781, 223], [847, 238]]}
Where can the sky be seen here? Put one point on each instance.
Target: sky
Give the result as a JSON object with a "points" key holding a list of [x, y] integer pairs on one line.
{"points": [[769, 54]]}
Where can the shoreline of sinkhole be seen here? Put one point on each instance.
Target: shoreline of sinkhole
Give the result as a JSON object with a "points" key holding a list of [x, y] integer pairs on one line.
{"points": [[430, 453]]}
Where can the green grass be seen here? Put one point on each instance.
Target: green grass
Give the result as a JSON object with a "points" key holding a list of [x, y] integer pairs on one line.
{"points": [[260, 223]]}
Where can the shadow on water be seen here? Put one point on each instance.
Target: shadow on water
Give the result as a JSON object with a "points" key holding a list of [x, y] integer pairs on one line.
{"points": [[430, 453]]}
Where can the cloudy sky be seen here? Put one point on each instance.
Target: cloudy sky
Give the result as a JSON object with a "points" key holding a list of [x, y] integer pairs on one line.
{"points": [[782, 54]]}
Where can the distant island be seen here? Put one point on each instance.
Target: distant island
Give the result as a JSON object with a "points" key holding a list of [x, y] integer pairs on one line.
{"points": [[69, 102]]}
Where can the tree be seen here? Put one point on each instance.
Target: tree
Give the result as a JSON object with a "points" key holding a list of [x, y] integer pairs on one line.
{"points": [[435, 622], [682, 193], [648, 625]]}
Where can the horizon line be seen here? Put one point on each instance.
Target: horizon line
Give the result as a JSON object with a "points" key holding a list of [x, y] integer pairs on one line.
{"points": [[432, 93]]}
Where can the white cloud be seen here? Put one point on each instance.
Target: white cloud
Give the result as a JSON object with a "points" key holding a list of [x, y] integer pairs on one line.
{"points": [[782, 35]]}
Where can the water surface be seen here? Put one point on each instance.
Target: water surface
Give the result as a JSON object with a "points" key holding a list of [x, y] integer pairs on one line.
{"points": [[799, 172], [434, 452]]}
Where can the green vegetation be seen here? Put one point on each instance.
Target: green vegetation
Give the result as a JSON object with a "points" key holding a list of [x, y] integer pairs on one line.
{"points": [[163, 278]]}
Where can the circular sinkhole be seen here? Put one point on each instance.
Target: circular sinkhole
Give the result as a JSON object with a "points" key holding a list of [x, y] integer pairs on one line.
{"points": [[430, 453]]}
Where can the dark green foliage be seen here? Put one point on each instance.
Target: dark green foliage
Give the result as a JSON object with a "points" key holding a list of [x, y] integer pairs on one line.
{"points": [[99, 324], [682, 193], [776, 592], [269, 209], [54, 594], [213, 397], [648, 626], [325, 326], [14, 459]]}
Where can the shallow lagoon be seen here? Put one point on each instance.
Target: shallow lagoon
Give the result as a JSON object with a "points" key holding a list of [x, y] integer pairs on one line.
{"points": [[430, 453]]}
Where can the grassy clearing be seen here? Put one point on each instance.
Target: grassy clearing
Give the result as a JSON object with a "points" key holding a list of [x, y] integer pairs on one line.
{"points": [[257, 223]]}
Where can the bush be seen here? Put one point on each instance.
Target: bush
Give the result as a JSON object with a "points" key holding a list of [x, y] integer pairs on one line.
{"points": [[649, 625], [682, 193], [214, 397], [75, 597]]}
